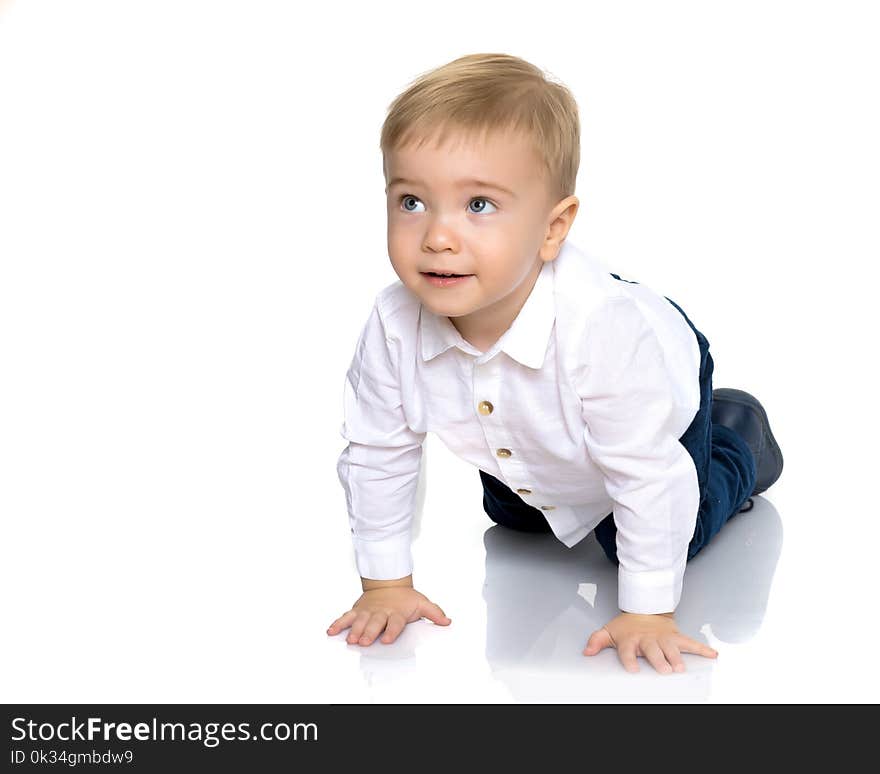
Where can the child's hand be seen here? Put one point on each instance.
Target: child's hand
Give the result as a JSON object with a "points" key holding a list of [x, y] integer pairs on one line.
{"points": [[655, 637], [389, 610]]}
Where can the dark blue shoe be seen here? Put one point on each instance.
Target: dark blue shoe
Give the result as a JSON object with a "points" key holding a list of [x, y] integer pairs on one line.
{"points": [[743, 414]]}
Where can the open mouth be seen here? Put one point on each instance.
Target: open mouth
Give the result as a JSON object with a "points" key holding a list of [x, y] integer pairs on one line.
{"points": [[445, 280]]}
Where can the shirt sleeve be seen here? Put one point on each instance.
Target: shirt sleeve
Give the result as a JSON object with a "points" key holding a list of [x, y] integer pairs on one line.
{"points": [[631, 433], [379, 468]]}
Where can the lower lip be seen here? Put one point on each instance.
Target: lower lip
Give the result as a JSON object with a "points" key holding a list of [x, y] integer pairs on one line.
{"points": [[445, 282]]}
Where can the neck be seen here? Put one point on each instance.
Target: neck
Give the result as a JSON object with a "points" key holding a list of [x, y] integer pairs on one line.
{"points": [[484, 327]]}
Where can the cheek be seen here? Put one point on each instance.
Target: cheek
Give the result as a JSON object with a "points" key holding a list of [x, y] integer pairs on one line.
{"points": [[400, 233], [396, 246], [396, 263], [405, 268]]}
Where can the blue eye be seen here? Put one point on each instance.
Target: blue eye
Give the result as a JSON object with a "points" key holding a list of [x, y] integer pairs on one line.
{"points": [[481, 199], [409, 197]]}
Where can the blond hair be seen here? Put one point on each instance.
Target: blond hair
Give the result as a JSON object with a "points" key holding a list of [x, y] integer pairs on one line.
{"points": [[480, 93]]}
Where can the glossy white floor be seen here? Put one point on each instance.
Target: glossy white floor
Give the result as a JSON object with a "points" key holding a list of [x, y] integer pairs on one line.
{"points": [[225, 597], [192, 233], [768, 593]]}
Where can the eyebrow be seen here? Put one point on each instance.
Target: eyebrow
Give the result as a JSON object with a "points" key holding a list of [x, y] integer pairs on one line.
{"points": [[460, 184]]}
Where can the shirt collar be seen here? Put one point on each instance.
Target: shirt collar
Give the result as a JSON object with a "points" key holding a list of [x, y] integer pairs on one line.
{"points": [[525, 341]]}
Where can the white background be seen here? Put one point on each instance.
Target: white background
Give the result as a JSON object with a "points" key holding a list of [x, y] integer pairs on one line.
{"points": [[192, 234]]}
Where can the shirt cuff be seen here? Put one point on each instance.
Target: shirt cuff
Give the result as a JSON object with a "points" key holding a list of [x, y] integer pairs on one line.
{"points": [[386, 559], [654, 591]]}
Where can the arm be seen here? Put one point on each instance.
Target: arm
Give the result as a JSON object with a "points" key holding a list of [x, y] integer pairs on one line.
{"points": [[379, 468], [379, 473], [368, 584], [631, 433]]}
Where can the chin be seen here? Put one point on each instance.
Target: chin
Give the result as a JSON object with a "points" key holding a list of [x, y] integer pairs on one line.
{"points": [[448, 309]]}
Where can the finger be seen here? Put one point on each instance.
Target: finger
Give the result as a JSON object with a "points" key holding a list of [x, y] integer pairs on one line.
{"points": [[651, 651], [343, 622], [687, 645], [626, 651], [357, 627], [396, 624], [673, 655], [373, 628], [599, 640], [433, 613]]}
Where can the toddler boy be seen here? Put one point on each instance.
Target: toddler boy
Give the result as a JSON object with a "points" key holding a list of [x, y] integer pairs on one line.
{"points": [[585, 400]]}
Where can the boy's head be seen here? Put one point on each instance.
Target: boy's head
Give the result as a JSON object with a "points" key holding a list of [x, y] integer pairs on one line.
{"points": [[484, 117]]}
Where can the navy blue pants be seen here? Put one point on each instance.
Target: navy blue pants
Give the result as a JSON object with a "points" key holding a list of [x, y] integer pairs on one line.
{"points": [[725, 471]]}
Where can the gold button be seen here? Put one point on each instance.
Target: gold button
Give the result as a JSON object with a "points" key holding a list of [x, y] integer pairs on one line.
{"points": [[485, 407], [524, 491], [503, 452], [547, 507]]}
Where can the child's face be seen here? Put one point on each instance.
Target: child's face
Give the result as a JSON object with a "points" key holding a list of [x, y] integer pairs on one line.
{"points": [[440, 220]]}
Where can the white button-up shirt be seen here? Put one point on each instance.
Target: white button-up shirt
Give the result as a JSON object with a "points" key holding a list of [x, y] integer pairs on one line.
{"points": [[590, 389]]}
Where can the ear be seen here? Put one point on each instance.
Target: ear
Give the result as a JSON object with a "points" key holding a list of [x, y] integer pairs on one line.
{"points": [[559, 222]]}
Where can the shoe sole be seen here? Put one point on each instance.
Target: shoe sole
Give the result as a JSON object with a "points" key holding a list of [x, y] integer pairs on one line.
{"points": [[771, 446]]}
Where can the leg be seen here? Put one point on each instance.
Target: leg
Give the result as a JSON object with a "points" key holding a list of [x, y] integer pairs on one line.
{"points": [[726, 469], [730, 481], [508, 509]]}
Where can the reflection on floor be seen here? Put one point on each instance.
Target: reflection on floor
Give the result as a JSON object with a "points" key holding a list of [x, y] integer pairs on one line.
{"points": [[542, 600]]}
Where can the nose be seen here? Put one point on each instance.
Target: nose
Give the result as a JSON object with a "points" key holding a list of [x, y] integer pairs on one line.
{"points": [[439, 235]]}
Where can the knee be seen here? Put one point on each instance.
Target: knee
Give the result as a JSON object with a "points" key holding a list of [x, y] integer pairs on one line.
{"points": [[606, 537], [531, 520]]}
